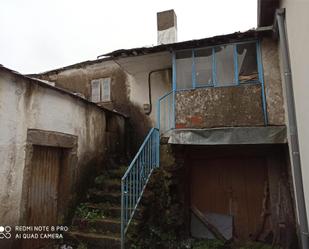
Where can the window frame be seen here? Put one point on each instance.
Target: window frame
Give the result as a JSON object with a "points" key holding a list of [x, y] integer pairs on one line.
{"points": [[215, 82], [100, 87]]}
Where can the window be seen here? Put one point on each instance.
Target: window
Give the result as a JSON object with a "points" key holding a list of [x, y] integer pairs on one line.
{"points": [[184, 69], [225, 65], [247, 62], [203, 66], [101, 90], [106, 89]]}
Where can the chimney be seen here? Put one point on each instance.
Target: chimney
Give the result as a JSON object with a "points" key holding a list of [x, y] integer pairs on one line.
{"points": [[167, 27]]}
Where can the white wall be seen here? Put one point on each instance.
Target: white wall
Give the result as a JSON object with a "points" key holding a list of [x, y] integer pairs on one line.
{"points": [[297, 21], [26, 105], [138, 69]]}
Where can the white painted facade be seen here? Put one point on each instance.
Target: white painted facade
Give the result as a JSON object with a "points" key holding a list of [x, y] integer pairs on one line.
{"points": [[297, 23]]}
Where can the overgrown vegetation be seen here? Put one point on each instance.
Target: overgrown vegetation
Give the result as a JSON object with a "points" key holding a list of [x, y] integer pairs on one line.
{"points": [[84, 212], [163, 224]]}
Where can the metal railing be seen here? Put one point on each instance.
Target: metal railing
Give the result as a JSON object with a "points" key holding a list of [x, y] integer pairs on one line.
{"points": [[166, 112], [134, 181]]}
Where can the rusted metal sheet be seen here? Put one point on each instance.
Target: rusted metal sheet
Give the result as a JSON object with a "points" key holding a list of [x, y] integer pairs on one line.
{"points": [[43, 190]]}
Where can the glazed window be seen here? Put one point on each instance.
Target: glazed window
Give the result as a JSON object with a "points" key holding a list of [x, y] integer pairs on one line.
{"points": [[247, 62], [225, 65], [184, 69], [203, 67], [101, 90]]}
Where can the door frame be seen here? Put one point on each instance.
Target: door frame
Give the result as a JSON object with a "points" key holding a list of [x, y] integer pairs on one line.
{"points": [[69, 144]]}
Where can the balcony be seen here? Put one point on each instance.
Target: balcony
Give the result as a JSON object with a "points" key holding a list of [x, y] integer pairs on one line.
{"points": [[220, 86], [217, 87]]}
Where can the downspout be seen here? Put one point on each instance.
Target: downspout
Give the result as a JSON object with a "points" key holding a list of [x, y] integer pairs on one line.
{"points": [[149, 87], [294, 143]]}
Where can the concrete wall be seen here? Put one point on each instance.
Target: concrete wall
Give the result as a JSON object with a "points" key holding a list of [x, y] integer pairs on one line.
{"points": [[25, 105], [219, 107], [272, 81], [297, 23]]}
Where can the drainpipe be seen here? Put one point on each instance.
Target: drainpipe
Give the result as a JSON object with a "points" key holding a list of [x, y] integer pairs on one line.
{"points": [[294, 143], [149, 87]]}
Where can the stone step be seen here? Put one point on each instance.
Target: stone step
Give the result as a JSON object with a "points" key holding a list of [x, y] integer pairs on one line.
{"points": [[109, 185], [99, 196], [113, 211], [104, 226], [93, 240], [117, 173]]}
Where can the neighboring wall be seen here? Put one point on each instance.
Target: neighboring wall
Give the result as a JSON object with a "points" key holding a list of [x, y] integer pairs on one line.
{"points": [[26, 104], [297, 23], [129, 87]]}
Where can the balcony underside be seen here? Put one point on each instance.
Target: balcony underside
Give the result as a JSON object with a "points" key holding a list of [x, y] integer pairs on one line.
{"points": [[228, 136]]}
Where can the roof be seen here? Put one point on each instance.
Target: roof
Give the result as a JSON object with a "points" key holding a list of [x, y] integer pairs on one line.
{"points": [[61, 90], [210, 41], [266, 12]]}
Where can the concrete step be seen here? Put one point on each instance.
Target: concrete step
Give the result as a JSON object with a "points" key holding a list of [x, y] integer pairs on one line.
{"points": [[102, 226], [93, 240]]}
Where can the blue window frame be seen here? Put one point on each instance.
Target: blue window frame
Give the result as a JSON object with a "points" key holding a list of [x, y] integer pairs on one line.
{"points": [[217, 66]]}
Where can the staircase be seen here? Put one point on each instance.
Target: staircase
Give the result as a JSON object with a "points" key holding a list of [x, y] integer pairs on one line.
{"points": [[97, 222], [113, 203]]}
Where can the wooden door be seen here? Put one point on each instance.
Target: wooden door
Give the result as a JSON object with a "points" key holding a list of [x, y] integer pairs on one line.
{"points": [[232, 186], [43, 190]]}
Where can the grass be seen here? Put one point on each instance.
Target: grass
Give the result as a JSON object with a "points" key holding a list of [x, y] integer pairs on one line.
{"points": [[85, 212]]}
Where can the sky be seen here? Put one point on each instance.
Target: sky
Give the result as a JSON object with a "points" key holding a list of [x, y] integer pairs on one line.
{"points": [[40, 35]]}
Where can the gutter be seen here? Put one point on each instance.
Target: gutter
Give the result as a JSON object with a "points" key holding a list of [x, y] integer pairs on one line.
{"points": [[292, 128]]}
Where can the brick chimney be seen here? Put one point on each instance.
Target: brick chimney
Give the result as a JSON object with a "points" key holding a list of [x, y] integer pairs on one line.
{"points": [[167, 27]]}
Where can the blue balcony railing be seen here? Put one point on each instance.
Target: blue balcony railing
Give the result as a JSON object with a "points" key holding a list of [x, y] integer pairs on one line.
{"points": [[135, 179]]}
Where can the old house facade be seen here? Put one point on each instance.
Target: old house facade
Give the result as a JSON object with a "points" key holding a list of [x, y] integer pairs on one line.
{"points": [[220, 102], [215, 105]]}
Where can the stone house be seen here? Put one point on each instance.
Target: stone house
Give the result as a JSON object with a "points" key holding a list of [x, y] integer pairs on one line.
{"points": [[218, 108]]}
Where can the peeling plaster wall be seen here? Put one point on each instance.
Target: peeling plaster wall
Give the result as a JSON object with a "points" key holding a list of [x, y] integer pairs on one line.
{"points": [[79, 79], [27, 105], [129, 87], [219, 107], [272, 81]]}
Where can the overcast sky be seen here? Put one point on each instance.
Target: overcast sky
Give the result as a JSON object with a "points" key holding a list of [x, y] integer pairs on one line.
{"points": [[40, 35]]}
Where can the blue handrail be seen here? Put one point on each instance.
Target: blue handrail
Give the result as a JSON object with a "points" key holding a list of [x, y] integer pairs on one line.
{"points": [[135, 179]]}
